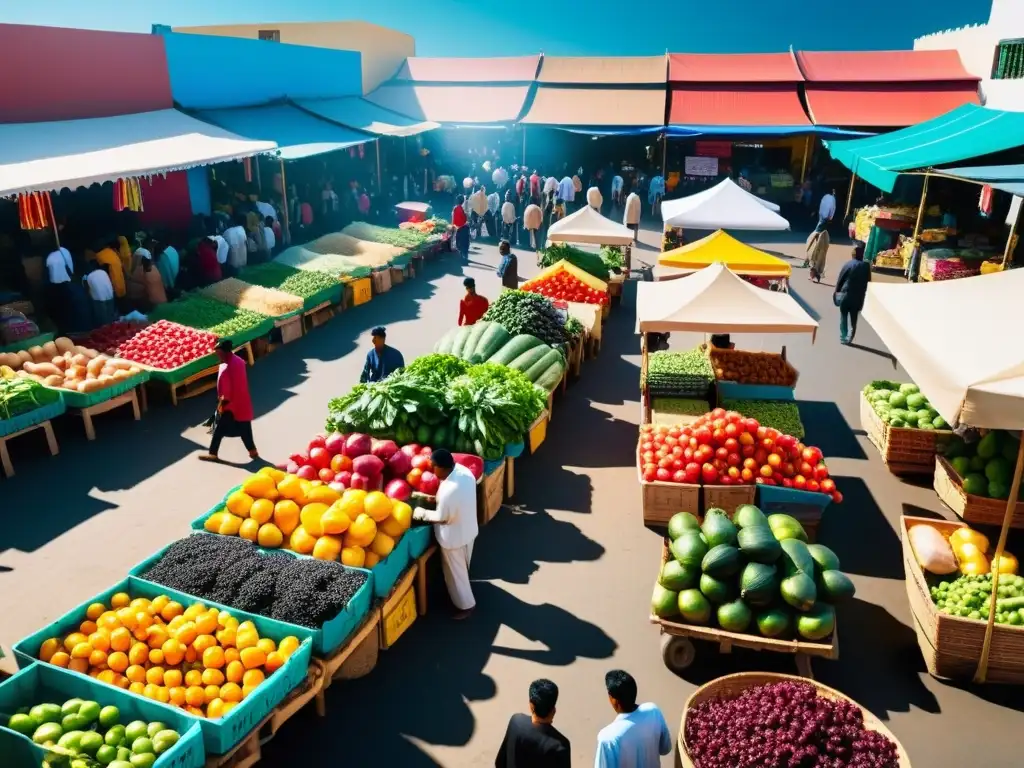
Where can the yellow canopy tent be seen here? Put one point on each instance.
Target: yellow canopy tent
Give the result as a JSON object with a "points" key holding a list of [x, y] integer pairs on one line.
{"points": [[721, 248]]}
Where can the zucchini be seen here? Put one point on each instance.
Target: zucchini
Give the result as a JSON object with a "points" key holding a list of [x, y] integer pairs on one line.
{"points": [[514, 348], [551, 357], [493, 338], [461, 337], [529, 357], [551, 377], [444, 346], [475, 332]]}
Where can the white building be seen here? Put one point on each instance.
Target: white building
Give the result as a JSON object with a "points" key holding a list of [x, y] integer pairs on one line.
{"points": [[993, 51]]}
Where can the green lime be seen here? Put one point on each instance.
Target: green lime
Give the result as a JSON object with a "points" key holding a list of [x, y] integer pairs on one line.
{"points": [[91, 742], [136, 730], [109, 717], [120, 764], [47, 733], [143, 760], [74, 722], [80, 762], [70, 706], [124, 754], [106, 754], [23, 724], [115, 736], [142, 745], [90, 710], [155, 728], [72, 740], [164, 740], [45, 713]]}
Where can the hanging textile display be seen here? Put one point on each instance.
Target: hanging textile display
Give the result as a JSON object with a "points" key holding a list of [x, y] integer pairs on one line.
{"points": [[35, 210], [247, 166], [985, 201], [128, 195]]}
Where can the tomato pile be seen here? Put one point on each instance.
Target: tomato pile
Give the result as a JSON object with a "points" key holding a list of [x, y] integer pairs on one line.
{"points": [[167, 345], [725, 448], [564, 286], [109, 337]]}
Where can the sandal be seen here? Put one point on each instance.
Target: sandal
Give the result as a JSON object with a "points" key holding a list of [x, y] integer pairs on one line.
{"points": [[208, 457]]}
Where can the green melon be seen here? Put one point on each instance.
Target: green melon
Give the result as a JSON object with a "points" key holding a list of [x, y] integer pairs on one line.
{"points": [[718, 528], [786, 527], [680, 523], [694, 607], [748, 516], [664, 602], [817, 623], [773, 622], [759, 583], [734, 616], [759, 544], [835, 586], [716, 591], [722, 561], [689, 549], [676, 576], [799, 591], [796, 558], [825, 558]]}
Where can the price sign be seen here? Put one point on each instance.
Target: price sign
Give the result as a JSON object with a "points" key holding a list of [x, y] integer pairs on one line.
{"points": [[701, 166], [400, 619]]}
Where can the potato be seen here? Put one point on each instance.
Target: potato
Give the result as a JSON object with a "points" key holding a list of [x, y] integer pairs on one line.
{"points": [[54, 380], [77, 372], [95, 365], [79, 359], [89, 385], [122, 364], [59, 362], [105, 380], [50, 350], [43, 369], [10, 359], [121, 374], [37, 354], [89, 353], [64, 344], [24, 356]]}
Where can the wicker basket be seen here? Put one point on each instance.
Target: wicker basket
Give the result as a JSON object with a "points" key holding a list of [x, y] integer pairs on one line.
{"points": [[951, 645], [731, 686], [905, 451], [362, 660], [975, 510]]}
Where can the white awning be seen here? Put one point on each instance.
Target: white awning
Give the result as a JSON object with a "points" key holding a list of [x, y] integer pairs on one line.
{"points": [[715, 300], [589, 226], [725, 206], [77, 153], [970, 375]]}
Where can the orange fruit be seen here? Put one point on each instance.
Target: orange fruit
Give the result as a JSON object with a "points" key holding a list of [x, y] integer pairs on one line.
{"points": [[156, 636], [157, 604], [239, 503], [186, 633], [193, 611], [98, 659], [176, 695], [290, 488], [301, 541], [334, 520], [261, 511], [195, 696], [171, 610], [213, 657], [149, 691], [310, 516], [215, 709], [137, 688], [48, 648], [79, 665], [353, 556], [327, 548], [81, 651], [213, 677], [155, 675], [61, 659], [288, 645], [231, 692], [371, 560], [74, 639], [173, 678], [246, 637], [286, 516], [274, 662], [100, 640], [402, 514], [120, 639], [234, 671], [361, 532], [193, 678], [143, 619], [109, 621], [120, 600], [107, 676], [258, 485], [139, 604], [270, 536], [203, 642], [382, 545], [275, 474], [211, 692], [377, 506], [206, 623], [391, 527], [266, 645], [139, 653], [253, 678], [249, 529], [247, 690], [195, 711], [94, 611], [173, 652], [352, 502], [252, 658], [87, 627], [226, 636], [127, 617], [156, 656], [135, 673], [228, 706], [231, 654], [190, 655], [118, 661]]}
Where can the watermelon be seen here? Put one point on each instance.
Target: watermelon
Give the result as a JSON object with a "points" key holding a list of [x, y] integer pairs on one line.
{"points": [[718, 528], [693, 606], [796, 558], [444, 346], [786, 527], [773, 622], [461, 337], [716, 591], [758, 583], [689, 549], [516, 346], [491, 340], [722, 561], [817, 623], [664, 602], [835, 586], [799, 591], [825, 558], [734, 616], [529, 357], [676, 576], [748, 516], [759, 544]]}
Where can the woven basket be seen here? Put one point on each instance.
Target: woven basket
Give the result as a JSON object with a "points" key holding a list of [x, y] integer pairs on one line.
{"points": [[362, 661], [731, 686]]}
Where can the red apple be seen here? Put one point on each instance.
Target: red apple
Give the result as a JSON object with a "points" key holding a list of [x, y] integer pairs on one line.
{"points": [[319, 457], [663, 475], [828, 486], [812, 486], [837, 497], [800, 482], [679, 476], [307, 472], [317, 442], [410, 450], [429, 483], [812, 455], [709, 474], [326, 474]]}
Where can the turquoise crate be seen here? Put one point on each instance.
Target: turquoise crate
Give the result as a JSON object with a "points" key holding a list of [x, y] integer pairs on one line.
{"points": [[33, 341], [31, 418], [219, 736], [490, 467], [418, 538], [326, 638], [45, 683], [773, 498], [515, 450], [731, 390], [87, 399], [20, 752]]}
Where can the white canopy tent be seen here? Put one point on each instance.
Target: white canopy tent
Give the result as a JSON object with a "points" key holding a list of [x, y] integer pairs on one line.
{"points": [[715, 300], [590, 227], [77, 153], [971, 377], [725, 206]]}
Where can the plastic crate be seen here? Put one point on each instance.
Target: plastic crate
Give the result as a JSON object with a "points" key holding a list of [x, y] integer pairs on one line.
{"points": [[87, 399], [32, 341], [44, 683], [515, 450], [179, 374], [219, 736], [419, 538], [326, 638], [31, 418], [731, 390], [20, 752], [490, 467]]}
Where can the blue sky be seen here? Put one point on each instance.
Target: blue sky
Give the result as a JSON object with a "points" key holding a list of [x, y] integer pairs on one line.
{"points": [[584, 27]]}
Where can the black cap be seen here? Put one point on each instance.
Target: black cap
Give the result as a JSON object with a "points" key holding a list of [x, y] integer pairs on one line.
{"points": [[469, 282], [442, 458], [380, 330]]}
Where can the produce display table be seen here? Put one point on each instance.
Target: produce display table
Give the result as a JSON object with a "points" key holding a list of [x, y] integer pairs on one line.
{"points": [[291, 328], [678, 651], [318, 315], [490, 494], [32, 341], [381, 281], [727, 497], [196, 377], [398, 611], [25, 423], [131, 397]]}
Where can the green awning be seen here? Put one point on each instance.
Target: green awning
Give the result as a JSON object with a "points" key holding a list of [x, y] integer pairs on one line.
{"points": [[965, 133]]}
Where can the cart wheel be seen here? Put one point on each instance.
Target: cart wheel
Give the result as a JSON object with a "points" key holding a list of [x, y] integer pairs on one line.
{"points": [[677, 653], [803, 666]]}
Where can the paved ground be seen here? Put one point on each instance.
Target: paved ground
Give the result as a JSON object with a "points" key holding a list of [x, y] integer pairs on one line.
{"points": [[563, 578]]}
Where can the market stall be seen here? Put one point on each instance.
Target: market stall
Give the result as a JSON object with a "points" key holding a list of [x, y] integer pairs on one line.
{"points": [[975, 382], [755, 266], [724, 206], [589, 227]]}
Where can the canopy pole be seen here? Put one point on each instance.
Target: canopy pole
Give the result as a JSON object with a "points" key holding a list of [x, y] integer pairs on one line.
{"points": [[849, 196], [803, 165], [917, 224], [1013, 233], [284, 205], [524, 145], [664, 155], [1011, 505], [645, 395], [380, 181], [259, 180]]}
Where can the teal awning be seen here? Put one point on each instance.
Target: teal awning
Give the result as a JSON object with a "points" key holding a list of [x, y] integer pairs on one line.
{"points": [[966, 132], [297, 133], [356, 112], [1008, 178]]}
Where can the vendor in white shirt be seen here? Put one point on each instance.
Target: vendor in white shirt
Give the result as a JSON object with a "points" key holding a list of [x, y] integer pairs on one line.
{"points": [[455, 527]]}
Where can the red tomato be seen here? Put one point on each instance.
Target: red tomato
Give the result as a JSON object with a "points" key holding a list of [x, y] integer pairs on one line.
{"points": [[709, 474], [722, 454], [718, 413], [649, 474], [828, 485], [751, 426], [812, 455], [679, 476], [663, 475], [812, 486], [703, 435], [765, 471], [774, 460], [820, 472], [800, 482], [837, 497], [747, 475]]}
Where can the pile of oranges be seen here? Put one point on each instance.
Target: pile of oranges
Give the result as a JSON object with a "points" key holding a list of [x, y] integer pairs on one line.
{"points": [[199, 659], [278, 510]]}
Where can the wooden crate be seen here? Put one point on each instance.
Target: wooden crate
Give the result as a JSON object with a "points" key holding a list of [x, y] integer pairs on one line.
{"points": [[421, 579], [362, 291], [398, 611], [490, 494], [131, 397], [538, 432], [397, 276], [904, 451], [355, 659], [510, 477], [5, 455], [381, 281], [727, 497], [659, 501], [318, 315], [951, 645], [975, 510], [291, 328]]}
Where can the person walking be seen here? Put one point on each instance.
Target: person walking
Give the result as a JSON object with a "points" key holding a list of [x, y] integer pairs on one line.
{"points": [[455, 527], [509, 218], [851, 290], [531, 741], [817, 252], [109, 257], [533, 219], [508, 267], [638, 736], [826, 210], [595, 199], [478, 208], [631, 214], [234, 404], [461, 223], [101, 294], [382, 360], [473, 305]]}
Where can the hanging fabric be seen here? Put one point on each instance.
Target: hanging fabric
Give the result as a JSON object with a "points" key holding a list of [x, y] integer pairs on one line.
{"points": [[247, 165], [362, 151], [985, 201], [35, 211], [128, 195]]}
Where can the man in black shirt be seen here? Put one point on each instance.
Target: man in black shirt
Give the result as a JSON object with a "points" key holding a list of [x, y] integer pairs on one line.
{"points": [[531, 741]]}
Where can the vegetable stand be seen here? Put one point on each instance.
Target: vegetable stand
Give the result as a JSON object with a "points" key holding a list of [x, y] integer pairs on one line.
{"points": [[29, 422]]}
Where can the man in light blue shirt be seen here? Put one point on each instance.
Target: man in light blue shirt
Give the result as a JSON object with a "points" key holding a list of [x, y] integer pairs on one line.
{"points": [[639, 736]]}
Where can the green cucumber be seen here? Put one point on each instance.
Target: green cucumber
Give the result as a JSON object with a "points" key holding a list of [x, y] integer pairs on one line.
{"points": [[516, 346], [528, 358]]}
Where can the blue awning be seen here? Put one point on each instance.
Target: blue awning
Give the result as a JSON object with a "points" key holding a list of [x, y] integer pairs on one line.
{"points": [[750, 131], [297, 133], [356, 112], [1008, 178], [606, 130]]}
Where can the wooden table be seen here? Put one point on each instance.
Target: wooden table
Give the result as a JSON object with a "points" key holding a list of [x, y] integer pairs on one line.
{"points": [[5, 456]]}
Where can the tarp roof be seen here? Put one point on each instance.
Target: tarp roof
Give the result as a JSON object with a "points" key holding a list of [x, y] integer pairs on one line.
{"points": [[716, 300], [882, 66], [733, 68], [596, 107], [356, 112], [750, 105], [589, 226], [969, 378], [297, 133], [498, 69], [453, 104], [603, 70], [78, 153], [1009, 178], [886, 105], [721, 248], [966, 132], [724, 206]]}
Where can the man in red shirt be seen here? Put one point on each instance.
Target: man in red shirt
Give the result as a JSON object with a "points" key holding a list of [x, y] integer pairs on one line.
{"points": [[472, 307]]}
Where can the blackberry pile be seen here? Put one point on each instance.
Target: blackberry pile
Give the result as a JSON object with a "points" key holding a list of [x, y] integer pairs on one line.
{"points": [[234, 572]]}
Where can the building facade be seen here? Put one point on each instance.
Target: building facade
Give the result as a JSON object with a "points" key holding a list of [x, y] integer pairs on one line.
{"points": [[383, 50]]}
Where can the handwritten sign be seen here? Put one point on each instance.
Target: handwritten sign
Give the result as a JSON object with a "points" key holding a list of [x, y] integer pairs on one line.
{"points": [[400, 619], [701, 166]]}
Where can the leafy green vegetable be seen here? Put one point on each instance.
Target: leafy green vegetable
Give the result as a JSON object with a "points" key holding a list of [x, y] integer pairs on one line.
{"points": [[208, 315], [403, 238], [437, 370], [522, 312], [440, 225], [573, 328], [782, 416], [393, 408], [679, 373], [19, 395], [612, 257], [678, 406], [585, 260], [288, 279]]}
